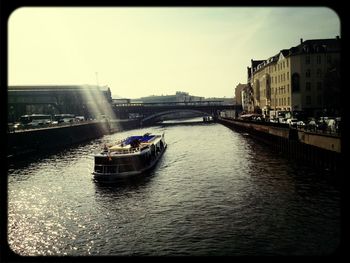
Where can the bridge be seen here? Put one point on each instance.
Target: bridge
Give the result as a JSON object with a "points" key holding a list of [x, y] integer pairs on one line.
{"points": [[151, 112]]}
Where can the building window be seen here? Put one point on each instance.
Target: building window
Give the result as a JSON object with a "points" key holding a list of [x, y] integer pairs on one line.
{"points": [[308, 73], [307, 60], [318, 59], [308, 100], [329, 59], [295, 82], [319, 72], [308, 86], [319, 85], [287, 75], [319, 100], [287, 63], [288, 88], [288, 100]]}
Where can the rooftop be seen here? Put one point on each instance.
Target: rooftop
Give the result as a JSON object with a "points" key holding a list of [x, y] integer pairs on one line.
{"points": [[309, 46]]}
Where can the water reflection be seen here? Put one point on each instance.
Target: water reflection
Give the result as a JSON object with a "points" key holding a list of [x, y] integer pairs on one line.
{"points": [[120, 187]]}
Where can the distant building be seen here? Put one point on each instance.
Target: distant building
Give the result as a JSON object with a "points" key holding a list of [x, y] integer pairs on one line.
{"points": [[297, 79], [85, 100], [247, 99], [120, 101], [238, 94], [224, 100], [178, 97]]}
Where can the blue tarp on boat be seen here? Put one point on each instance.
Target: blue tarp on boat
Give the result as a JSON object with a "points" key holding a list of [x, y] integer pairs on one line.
{"points": [[144, 138]]}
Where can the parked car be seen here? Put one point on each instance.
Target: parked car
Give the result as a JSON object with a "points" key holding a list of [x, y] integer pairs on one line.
{"points": [[18, 125], [312, 125], [300, 124], [79, 118], [292, 122]]}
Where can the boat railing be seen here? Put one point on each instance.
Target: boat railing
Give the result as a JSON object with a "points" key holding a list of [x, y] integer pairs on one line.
{"points": [[123, 151], [129, 150]]}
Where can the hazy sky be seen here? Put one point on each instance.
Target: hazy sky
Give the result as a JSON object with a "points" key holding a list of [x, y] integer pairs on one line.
{"points": [[153, 51]]}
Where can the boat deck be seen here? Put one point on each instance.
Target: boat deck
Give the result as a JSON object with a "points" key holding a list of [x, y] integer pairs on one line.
{"points": [[130, 145]]}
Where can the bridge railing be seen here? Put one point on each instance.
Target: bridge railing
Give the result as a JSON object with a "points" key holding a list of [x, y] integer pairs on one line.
{"points": [[185, 103]]}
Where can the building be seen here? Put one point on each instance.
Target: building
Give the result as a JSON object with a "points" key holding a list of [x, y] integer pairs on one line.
{"points": [[247, 95], [85, 100], [121, 101], [297, 79], [238, 94], [178, 97], [223, 101]]}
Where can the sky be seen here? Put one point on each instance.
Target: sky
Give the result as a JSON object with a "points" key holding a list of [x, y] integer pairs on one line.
{"points": [[139, 52]]}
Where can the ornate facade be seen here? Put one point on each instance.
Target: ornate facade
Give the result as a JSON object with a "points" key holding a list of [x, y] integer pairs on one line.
{"points": [[296, 79]]}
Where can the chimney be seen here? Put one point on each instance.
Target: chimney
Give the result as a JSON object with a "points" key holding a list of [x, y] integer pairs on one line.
{"points": [[301, 41]]}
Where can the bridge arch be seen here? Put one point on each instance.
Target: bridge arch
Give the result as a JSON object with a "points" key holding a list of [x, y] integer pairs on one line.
{"points": [[162, 113]]}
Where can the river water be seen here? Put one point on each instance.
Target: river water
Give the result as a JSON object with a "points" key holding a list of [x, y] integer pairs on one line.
{"points": [[214, 192]]}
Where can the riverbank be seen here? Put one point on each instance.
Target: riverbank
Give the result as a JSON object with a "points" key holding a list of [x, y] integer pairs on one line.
{"points": [[51, 138], [319, 150]]}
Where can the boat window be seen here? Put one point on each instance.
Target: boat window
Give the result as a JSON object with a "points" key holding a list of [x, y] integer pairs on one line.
{"points": [[105, 161], [126, 168], [110, 169], [128, 160]]}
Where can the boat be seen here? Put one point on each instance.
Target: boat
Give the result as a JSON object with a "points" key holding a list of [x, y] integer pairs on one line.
{"points": [[131, 156]]}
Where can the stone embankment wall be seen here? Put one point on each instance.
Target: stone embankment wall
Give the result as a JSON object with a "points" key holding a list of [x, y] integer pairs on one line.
{"points": [[319, 150], [37, 140]]}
